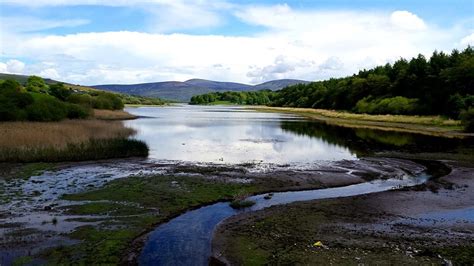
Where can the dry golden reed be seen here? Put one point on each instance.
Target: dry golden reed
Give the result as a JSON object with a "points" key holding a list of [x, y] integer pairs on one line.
{"points": [[57, 135], [112, 115]]}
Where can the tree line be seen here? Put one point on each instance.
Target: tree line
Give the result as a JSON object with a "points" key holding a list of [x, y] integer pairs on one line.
{"points": [[263, 97], [440, 85]]}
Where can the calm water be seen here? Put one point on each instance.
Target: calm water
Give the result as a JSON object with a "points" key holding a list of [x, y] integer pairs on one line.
{"points": [[186, 239], [221, 134], [225, 134]]}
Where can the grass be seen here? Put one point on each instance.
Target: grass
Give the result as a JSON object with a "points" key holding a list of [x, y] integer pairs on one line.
{"points": [[131, 205], [68, 140], [112, 115], [429, 125]]}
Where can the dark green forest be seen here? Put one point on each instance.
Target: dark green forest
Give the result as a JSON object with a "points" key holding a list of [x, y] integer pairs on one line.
{"points": [[440, 85], [263, 97]]}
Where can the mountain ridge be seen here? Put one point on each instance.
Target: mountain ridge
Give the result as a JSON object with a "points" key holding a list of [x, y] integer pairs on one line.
{"points": [[184, 90]]}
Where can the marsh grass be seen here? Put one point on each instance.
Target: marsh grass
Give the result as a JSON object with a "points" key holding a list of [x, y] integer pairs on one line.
{"points": [[427, 125], [112, 115], [68, 140], [410, 119]]}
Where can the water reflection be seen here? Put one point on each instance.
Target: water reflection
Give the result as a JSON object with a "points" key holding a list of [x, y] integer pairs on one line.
{"points": [[361, 141], [222, 134], [229, 135]]}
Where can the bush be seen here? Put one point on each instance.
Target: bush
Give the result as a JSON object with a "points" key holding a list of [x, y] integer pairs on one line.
{"points": [[46, 108], [59, 91], [12, 101], [467, 118], [75, 111], [107, 101], [395, 105], [36, 84], [82, 99]]}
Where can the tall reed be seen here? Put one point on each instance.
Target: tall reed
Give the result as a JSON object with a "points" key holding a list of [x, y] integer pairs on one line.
{"points": [[68, 140]]}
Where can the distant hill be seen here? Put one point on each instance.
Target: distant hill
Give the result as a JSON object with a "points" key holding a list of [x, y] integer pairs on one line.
{"points": [[183, 91], [22, 78]]}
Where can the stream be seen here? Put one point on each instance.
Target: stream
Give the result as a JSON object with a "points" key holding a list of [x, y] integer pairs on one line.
{"points": [[186, 239]]}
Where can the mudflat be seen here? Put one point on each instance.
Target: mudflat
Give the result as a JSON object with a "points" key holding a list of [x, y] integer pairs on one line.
{"points": [[430, 223]]}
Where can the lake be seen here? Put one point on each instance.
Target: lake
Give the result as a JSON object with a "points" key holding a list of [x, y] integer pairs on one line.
{"points": [[235, 135]]}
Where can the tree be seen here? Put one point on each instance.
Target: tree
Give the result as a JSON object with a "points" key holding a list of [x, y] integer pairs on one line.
{"points": [[36, 84], [59, 91]]}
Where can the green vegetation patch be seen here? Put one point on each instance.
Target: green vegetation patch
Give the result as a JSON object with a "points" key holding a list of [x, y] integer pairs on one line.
{"points": [[94, 149], [132, 205]]}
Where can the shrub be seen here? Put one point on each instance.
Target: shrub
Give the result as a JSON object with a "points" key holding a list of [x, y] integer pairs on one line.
{"points": [[467, 118], [108, 101], [36, 84], [396, 105], [75, 111], [59, 91], [12, 101], [82, 99], [46, 108]]}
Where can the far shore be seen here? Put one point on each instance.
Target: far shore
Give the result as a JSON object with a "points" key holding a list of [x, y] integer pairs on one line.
{"points": [[427, 125]]}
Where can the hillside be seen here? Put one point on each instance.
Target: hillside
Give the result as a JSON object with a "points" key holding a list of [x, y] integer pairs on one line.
{"points": [[127, 98], [183, 91]]}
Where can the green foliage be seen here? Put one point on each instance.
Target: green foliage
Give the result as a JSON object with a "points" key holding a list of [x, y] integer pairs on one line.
{"points": [[36, 84], [467, 118], [59, 91], [76, 111], [40, 103], [82, 99], [396, 105], [46, 108], [105, 100], [262, 97], [13, 100], [440, 85]]}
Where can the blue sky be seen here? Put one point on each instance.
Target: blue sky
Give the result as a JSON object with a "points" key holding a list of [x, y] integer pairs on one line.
{"points": [[119, 41]]}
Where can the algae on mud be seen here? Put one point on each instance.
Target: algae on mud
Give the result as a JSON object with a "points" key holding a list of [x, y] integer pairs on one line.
{"points": [[387, 227], [133, 205]]}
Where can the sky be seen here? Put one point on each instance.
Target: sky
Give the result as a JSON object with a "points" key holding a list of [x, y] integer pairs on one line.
{"points": [[93, 42]]}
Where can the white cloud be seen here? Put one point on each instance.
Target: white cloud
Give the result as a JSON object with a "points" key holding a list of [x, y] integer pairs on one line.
{"points": [[3, 67], [282, 67], [309, 44], [50, 73], [407, 21], [14, 66], [332, 63], [468, 40]]}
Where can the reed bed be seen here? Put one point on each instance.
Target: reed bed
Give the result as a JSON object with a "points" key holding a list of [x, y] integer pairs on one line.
{"points": [[408, 119], [103, 114], [68, 140]]}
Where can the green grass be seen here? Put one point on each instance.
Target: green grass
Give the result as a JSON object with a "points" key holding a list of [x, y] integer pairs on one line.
{"points": [[428, 125], [221, 103], [132, 205], [93, 149]]}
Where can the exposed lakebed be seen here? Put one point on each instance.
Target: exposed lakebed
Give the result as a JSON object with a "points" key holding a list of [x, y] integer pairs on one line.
{"points": [[230, 145]]}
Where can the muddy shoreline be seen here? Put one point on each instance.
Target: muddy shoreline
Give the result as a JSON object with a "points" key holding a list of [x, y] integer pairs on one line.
{"points": [[42, 206], [339, 174], [397, 225]]}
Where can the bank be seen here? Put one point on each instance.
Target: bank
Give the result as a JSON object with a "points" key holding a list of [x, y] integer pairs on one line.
{"points": [[427, 224], [426, 125]]}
